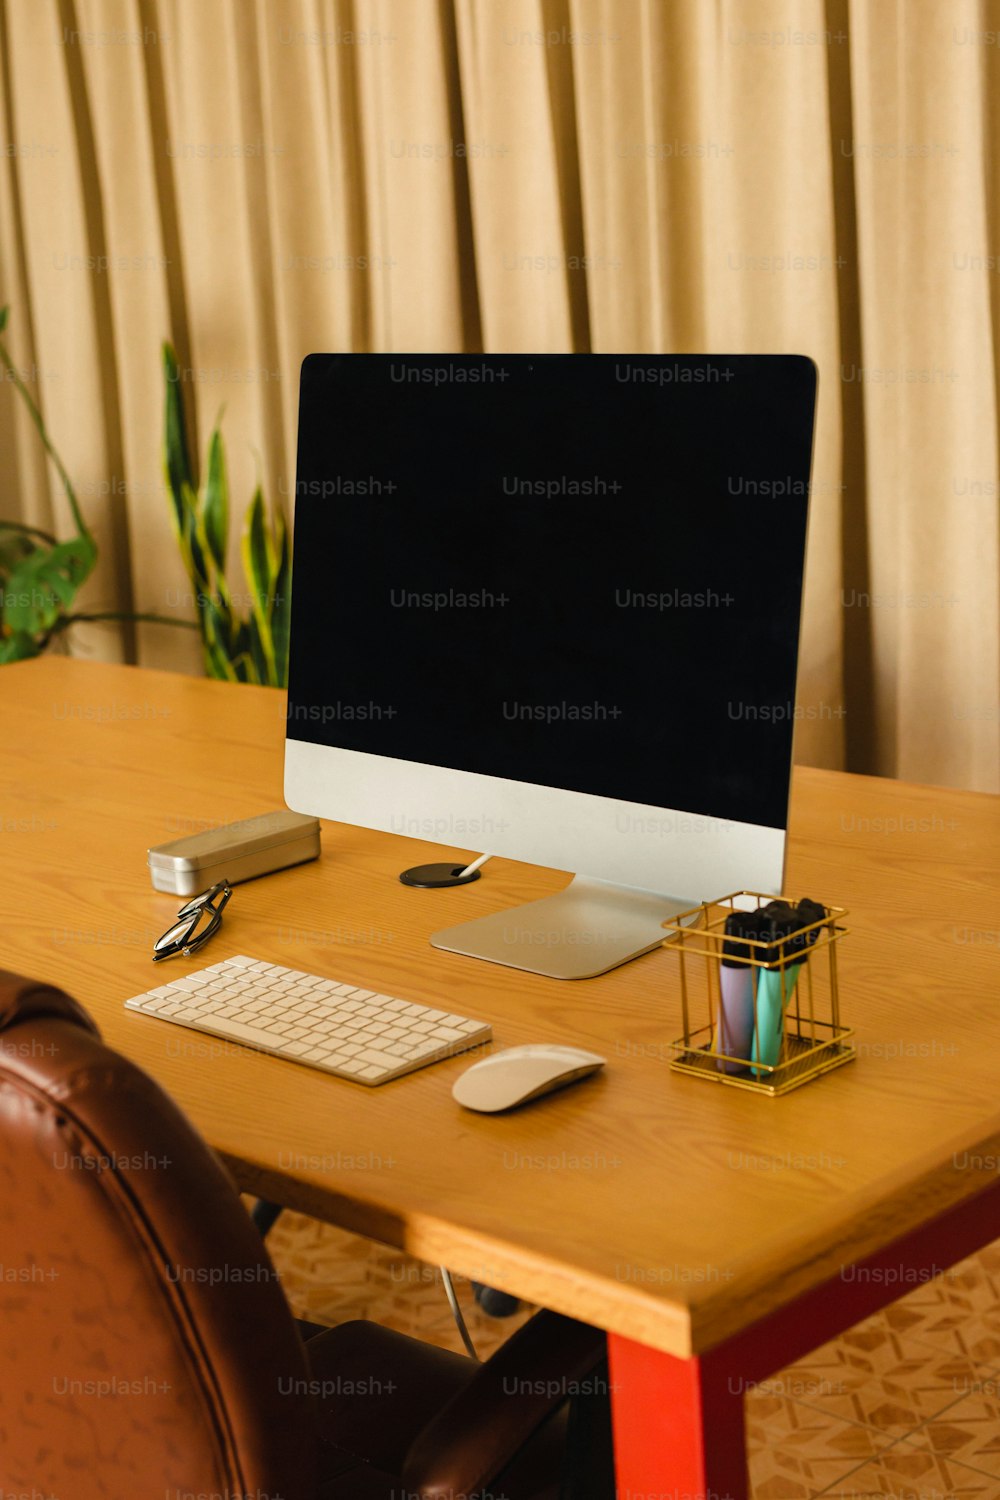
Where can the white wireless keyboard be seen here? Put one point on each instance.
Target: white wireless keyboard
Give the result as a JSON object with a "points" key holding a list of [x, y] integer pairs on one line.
{"points": [[339, 1028]]}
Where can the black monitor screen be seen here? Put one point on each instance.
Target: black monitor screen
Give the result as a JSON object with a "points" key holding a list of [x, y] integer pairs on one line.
{"points": [[578, 570]]}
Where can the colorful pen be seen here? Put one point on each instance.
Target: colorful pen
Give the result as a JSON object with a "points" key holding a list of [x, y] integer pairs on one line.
{"points": [[780, 922], [734, 1031]]}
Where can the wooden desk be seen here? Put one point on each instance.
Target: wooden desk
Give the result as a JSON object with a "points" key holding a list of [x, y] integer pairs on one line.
{"points": [[706, 1229]]}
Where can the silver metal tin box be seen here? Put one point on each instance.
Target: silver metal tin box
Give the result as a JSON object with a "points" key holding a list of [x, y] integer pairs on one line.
{"points": [[234, 852]]}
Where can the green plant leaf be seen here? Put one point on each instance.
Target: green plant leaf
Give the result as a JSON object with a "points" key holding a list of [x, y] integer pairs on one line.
{"points": [[217, 663], [245, 669], [219, 625], [175, 442], [260, 566], [218, 646], [251, 648], [20, 646], [240, 653], [43, 585], [281, 611], [40, 576], [180, 481], [215, 505], [193, 546], [14, 547], [259, 657], [255, 548]]}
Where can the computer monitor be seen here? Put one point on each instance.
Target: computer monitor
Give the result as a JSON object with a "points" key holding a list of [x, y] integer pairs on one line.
{"points": [[547, 606]]}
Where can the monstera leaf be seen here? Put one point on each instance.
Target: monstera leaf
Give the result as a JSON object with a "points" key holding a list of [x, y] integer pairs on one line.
{"points": [[39, 575], [44, 585]]}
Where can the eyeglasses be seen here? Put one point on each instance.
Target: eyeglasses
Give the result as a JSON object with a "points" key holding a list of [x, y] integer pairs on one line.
{"points": [[197, 921]]}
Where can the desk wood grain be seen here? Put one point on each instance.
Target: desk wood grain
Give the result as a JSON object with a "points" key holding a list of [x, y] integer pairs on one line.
{"points": [[651, 1204]]}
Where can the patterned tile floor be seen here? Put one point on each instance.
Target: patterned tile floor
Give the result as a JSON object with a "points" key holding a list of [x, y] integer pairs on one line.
{"points": [[331, 1277], [906, 1404]]}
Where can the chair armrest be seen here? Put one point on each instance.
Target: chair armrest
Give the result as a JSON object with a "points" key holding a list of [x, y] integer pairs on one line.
{"points": [[479, 1432], [24, 999]]}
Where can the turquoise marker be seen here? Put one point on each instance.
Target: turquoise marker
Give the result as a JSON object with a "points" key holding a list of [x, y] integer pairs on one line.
{"points": [[779, 922]]}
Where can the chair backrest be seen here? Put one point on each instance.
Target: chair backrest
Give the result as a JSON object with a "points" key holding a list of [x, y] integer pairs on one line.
{"points": [[146, 1347]]}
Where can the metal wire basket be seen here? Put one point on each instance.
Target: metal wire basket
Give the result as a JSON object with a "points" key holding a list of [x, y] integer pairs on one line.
{"points": [[802, 970]]}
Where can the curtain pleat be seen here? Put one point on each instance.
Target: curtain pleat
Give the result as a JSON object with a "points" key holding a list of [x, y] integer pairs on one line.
{"points": [[258, 179]]}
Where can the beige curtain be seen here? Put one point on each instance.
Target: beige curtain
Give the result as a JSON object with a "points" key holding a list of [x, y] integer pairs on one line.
{"points": [[260, 178]]}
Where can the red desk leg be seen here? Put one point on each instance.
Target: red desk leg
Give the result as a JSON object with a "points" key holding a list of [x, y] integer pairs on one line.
{"points": [[678, 1426]]}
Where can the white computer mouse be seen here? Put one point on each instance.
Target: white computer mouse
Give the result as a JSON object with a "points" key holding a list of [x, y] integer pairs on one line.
{"points": [[521, 1073]]}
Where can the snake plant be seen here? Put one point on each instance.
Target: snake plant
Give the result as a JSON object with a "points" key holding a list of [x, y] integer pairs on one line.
{"points": [[238, 645]]}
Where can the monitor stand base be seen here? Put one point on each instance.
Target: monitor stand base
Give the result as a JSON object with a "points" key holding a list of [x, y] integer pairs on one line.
{"points": [[586, 929]]}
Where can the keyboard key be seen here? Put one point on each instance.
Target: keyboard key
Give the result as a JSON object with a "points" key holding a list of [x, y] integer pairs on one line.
{"points": [[378, 1059], [241, 1032]]}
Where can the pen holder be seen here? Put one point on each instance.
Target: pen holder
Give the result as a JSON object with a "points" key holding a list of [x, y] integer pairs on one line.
{"points": [[759, 993]]}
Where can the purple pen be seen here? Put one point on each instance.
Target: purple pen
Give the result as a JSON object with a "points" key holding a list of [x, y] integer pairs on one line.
{"points": [[734, 1031]]}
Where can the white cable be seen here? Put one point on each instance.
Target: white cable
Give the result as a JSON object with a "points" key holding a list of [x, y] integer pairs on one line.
{"points": [[476, 863], [449, 1290]]}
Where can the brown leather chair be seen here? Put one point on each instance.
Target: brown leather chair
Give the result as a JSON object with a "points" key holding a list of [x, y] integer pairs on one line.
{"points": [[146, 1347]]}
